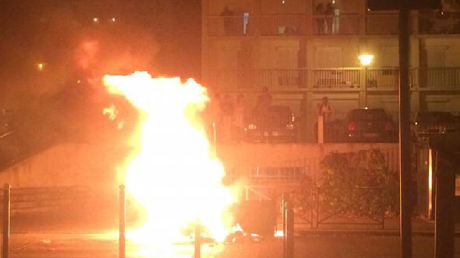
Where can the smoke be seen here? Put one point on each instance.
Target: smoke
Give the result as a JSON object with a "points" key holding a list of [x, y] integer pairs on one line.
{"points": [[53, 60]]}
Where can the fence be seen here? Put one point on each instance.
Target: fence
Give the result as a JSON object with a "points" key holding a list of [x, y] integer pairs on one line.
{"points": [[328, 207]]}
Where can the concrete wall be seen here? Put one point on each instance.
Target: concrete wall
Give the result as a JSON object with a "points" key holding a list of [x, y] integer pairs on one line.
{"points": [[67, 165], [95, 165]]}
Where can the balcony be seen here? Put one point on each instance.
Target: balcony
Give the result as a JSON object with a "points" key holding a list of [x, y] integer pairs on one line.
{"points": [[375, 23], [431, 22], [382, 24], [439, 78], [282, 79], [344, 24], [282, 25], [336, 78], [382, 78], [236, 25]]}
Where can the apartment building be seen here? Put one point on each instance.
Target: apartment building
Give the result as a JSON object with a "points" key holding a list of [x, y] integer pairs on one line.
{"points": [[303, 50]]}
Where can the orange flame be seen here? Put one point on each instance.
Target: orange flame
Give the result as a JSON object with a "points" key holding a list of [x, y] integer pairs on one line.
{"points": [[174, 175]]}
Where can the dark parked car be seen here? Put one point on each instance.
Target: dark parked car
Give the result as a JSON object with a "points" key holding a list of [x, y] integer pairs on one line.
{"points": [[370, 125], [433, 123], [278, 125]]}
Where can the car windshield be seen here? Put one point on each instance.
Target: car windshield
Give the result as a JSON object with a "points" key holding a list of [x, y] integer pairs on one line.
{"points": [[367, 115]]}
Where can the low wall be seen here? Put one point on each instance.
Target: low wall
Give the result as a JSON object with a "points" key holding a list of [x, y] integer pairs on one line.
{"points": [[66, 165], [291, 154], [95, 165]]}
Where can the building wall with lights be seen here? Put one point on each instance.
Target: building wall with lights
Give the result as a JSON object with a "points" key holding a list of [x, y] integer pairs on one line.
{"points": [[302, 52]]}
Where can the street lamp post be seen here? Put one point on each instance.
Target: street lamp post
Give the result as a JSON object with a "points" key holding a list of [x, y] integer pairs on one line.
{"points": [[365, 60]]}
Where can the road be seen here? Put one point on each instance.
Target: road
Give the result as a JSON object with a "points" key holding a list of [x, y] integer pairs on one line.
{"points": [[317, 246]]}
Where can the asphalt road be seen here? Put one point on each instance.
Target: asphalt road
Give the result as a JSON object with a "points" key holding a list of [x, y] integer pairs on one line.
{"points": [[317, 246]]}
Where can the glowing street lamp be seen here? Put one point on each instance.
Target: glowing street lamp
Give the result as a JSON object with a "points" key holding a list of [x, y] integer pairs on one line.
{"points": [[366, 59], [96, 20], [40, 66]]}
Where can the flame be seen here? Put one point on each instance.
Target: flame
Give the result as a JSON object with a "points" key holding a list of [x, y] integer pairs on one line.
{"points": [[174, 174]]}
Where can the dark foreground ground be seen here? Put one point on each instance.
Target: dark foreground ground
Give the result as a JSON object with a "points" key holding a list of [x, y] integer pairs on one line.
{"points": [[318, 246], [93, 233]]}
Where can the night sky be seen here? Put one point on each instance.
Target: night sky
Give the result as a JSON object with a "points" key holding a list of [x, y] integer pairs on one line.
{"points": [[54, 53]]}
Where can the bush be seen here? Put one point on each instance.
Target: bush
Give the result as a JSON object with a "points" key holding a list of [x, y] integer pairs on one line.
{"points": [[358, 183]]}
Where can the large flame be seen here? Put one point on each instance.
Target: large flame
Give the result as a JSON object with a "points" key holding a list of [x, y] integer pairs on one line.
{"points": [[174, 175]]}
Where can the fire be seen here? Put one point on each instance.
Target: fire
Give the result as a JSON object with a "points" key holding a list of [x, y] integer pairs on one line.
{"points": [[174, 175]]}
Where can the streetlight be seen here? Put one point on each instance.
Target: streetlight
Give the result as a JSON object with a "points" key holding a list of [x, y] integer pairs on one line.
{"points": [[40, 66], [366, 59]]}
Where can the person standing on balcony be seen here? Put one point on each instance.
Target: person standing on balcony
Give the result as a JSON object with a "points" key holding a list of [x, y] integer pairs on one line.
{"points": [[226, 107], [261, 114], [329, 13], [320, 21], [229, 25], [325, 109], [239, 117]]}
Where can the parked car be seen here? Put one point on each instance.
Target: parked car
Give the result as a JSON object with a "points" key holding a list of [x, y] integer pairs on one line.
{"points": [[279, 125], [432, 123], [370, 125]]}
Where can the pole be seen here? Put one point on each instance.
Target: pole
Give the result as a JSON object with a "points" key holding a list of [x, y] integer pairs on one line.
{"points": [[6, 221], [197, 239], [404, 132], [284, 220], [121, 221], [214, 136], [444, 246], [290, 229]]}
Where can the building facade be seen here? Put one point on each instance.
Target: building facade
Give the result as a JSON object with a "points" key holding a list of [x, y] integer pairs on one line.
{"points": [[304, 50]]}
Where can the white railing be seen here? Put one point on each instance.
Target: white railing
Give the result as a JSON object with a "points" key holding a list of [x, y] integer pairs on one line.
{"points": [[344, 24], [282, 25], [433, 78], [336, 77], [247, 79], [382, 78], [282, 78], [445, 78], [237, 25]]}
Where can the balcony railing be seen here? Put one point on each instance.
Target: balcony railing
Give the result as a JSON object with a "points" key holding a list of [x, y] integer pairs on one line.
{"points": [[439, 23], [375, 79], [382, 78], [382, 24], [445, 78], [247, 79], [238, 25], [282, 25], [336, 78], [344, 24]]}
